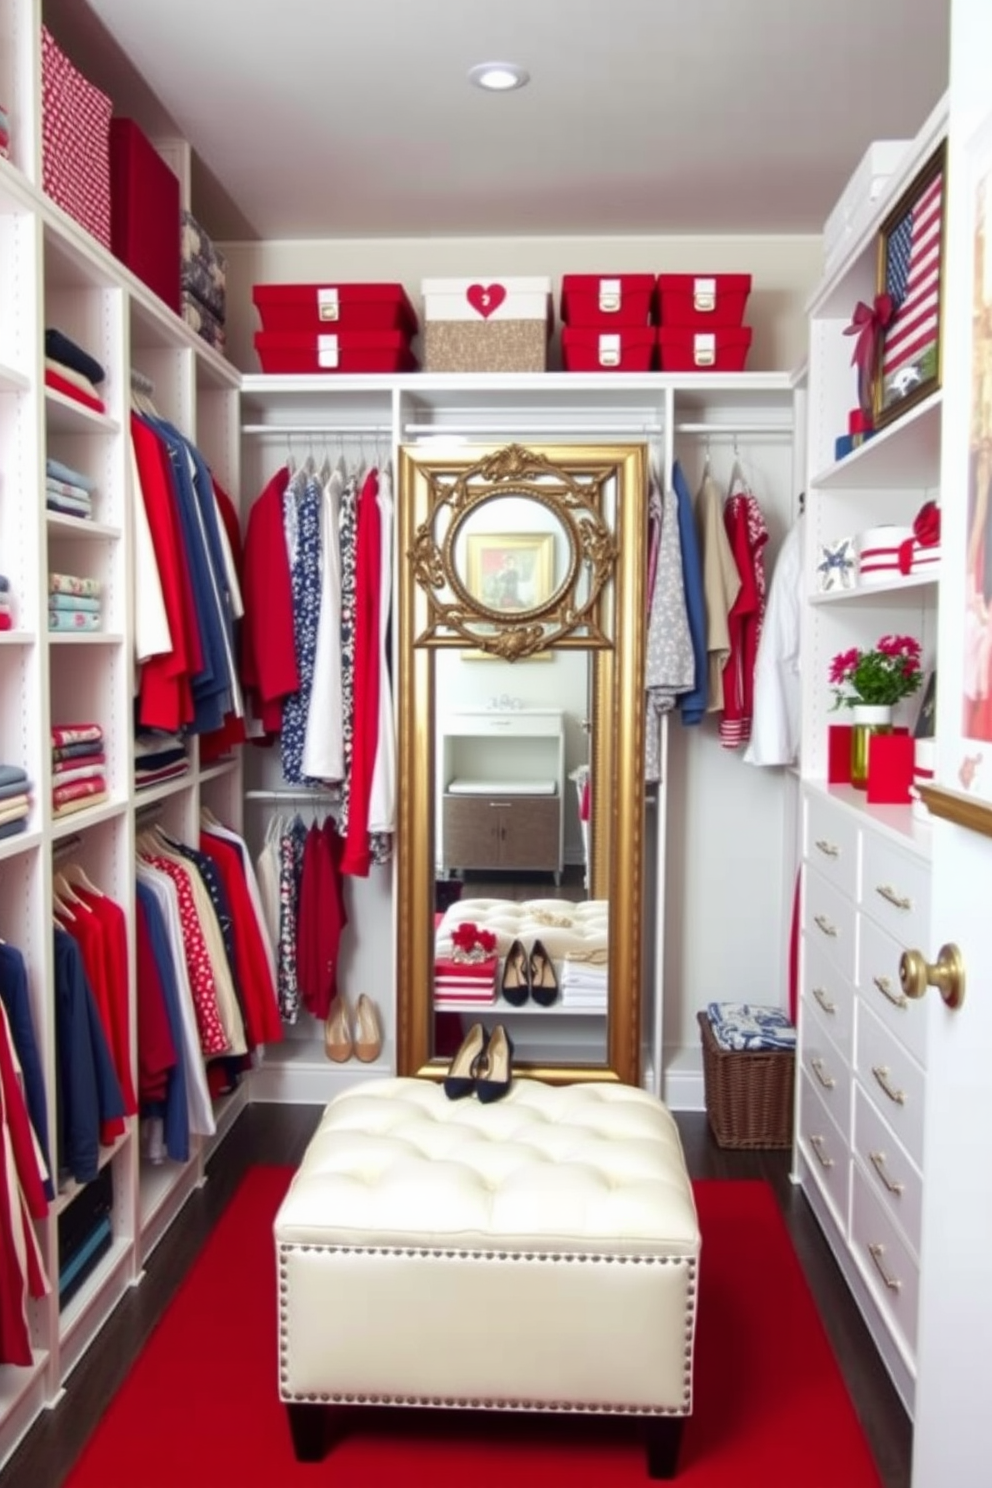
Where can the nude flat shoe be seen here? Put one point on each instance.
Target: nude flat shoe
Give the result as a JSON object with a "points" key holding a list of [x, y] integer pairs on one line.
{"points": [[338, 1044], [368, 1032]]}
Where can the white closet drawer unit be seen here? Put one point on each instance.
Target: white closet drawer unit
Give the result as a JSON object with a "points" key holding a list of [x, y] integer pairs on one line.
{"points": [[893, 1274], [829, 921], [827, 1071], [830, 998], [893, 1081], [879, 989], [893, 1178], [832, 843], [895, 889], [826, 1150]]}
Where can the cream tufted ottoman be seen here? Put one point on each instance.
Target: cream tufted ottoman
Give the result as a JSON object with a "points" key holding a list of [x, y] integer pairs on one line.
{"points": [[538, 1254]]}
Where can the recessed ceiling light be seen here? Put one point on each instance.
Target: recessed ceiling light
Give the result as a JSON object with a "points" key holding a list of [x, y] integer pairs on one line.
{"points": [[498, 77]]}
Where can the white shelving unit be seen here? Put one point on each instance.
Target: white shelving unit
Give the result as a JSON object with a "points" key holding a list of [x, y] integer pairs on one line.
{"points": [[861, 1066], [53, 273]]}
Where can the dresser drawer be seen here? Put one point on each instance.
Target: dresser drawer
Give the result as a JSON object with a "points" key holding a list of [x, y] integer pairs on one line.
{"points": [[895, 890], [831, 843], [518, 724], [894, 1180], [892, 1079], [825, 1149], [829, 921], [829, 997], [885, 1259], [879, 989], [828, 1072]]}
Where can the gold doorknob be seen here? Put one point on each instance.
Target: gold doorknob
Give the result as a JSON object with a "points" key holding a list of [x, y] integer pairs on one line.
{"points": [[946, 974]]}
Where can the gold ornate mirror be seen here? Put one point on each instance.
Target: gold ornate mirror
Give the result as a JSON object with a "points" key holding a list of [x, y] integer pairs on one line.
{"points": [[521, 754]]}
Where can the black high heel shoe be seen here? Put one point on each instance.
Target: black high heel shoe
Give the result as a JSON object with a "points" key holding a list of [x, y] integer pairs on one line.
{"points": [[496, 1067], [515, 985], [462, 1071], [543, 978]]}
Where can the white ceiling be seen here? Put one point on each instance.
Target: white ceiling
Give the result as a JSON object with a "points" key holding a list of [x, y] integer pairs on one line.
{"points": [[327, 119]]}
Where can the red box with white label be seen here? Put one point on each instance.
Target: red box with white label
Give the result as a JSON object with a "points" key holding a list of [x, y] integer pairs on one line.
{"points": [[630, 349], [334, 351], [682, 349], [602, 301], [703, 301], [296, 308]]}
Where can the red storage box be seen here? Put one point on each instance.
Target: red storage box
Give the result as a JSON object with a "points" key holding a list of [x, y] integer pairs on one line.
{"points": [[619, 350], [681, 349], [349, 307], [75, 141], [607, 300], [334, 351], [145, 211], [704, 301]]}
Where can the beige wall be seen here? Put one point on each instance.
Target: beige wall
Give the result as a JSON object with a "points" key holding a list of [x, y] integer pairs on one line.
{"points": [[784, 270]]}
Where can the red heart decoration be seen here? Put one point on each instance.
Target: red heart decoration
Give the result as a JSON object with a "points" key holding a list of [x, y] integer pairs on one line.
{"points": [[485, 298]]}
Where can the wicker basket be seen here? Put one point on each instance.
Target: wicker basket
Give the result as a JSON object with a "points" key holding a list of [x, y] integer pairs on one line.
{"points": [[749, 1092]]}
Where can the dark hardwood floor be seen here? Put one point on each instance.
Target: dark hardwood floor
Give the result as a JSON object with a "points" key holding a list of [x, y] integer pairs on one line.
{"points": [[279, 1134]]}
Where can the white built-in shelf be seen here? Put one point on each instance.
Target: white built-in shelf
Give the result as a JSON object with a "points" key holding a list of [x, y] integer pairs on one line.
{"points": [[20, 842], [504, 1009], [904, 453], [17, 1380], [218, 770], [85, 637], [72, 1189], [16, 637], [66, 416], [90, 816], [149, 794], [120, 1254], [12, 380], [61, 525], [156, 1184], [897, 822], [883, 592]]}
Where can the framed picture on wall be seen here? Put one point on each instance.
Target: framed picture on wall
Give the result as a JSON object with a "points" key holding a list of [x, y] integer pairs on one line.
{"points": [[511, 571], [910, 276]]}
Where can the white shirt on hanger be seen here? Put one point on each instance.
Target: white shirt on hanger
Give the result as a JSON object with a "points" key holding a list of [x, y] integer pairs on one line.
{"points": [[382, 796], [775, 725], [323, 743]]}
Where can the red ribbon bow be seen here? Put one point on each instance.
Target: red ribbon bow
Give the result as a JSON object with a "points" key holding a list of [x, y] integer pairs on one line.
{"points": [[926, 534], [867, 323]]}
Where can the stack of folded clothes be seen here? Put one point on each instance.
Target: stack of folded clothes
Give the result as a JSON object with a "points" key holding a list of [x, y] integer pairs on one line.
{"points": [[73, 603], [6, 604], [158, 756], [585, 980], [4, 133], [68, 491], [747, 1025], [71, 371], [204, 284], [79, 767], [15, 800]]}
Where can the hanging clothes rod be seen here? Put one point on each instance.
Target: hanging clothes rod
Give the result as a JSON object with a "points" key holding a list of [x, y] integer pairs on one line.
{"points": [[733, 431], [66, 845], [283, 430], [542, 431], [293, 795]]}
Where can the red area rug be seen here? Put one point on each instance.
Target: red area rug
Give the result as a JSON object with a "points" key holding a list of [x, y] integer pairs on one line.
{"points": [[200, 1408]]}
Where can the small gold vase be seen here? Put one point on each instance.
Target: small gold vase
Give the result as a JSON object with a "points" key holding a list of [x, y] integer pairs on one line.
{"points": [[866, 721]]}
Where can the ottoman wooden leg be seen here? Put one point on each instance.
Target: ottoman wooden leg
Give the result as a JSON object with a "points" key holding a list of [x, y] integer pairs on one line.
{"points": [[308, 1427], [664, 1437]]}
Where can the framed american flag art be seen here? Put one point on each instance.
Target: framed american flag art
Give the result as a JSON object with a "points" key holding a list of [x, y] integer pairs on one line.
{"points": [[910, 268]]}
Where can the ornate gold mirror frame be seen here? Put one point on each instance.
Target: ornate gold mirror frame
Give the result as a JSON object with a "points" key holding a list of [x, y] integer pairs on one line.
{"points": [[597, 497]]}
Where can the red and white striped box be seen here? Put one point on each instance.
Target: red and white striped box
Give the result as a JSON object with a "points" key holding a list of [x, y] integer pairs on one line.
{"points": [[75, 139], [878, 553], [924, 771]]}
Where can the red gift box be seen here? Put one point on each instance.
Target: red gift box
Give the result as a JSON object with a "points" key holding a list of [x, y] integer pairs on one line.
{"points": [[296, 308], [75, 141], [703, 301], [145, 211], [683, 350], [339, 351], [839, 753], [594, 300], [890, 768], [619, 350]]}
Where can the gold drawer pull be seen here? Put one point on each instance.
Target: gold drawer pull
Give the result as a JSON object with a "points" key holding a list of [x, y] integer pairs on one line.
{"points": [[829, 849], [881, 1073], [817, 1145], [824, 1001], [827, 1081], [878, 1163], [885, 987], [825, 925], [877, 1253], [888, 893]]}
